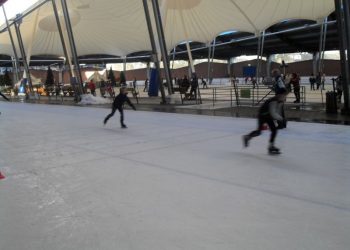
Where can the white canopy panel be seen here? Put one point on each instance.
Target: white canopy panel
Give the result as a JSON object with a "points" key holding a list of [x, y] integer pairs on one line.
{"points": [[118, 27]]}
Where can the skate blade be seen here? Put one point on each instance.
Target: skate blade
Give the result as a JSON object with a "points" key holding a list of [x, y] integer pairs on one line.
{"points": [[274, 153]]}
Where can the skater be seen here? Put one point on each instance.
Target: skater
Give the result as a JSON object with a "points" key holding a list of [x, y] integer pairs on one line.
{"points": [[269, 112], [118, 103]]}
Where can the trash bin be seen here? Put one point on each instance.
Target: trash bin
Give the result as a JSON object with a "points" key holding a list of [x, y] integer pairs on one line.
{"points": [[331, 102]]}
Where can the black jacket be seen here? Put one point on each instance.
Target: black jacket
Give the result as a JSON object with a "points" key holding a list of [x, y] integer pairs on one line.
{"points": [[120, 99]]}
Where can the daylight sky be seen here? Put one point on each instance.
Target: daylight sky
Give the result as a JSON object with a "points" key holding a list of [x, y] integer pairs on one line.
{"points": [[13, 7]]}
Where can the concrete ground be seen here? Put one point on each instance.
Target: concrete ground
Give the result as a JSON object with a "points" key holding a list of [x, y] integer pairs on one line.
{"points": [[169, 181]]}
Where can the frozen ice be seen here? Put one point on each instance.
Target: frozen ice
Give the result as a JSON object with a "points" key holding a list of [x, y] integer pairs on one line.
{"points": [[169, 181]]}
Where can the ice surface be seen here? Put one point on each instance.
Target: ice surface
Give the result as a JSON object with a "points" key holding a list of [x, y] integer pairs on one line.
{"points": [[169, 181]]}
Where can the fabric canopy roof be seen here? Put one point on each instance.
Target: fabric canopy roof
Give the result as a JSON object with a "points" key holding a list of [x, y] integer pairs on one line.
{"points": [[118, 27]]}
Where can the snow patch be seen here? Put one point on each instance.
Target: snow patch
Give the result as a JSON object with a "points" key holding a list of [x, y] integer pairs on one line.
{"points": [[90, 99]]}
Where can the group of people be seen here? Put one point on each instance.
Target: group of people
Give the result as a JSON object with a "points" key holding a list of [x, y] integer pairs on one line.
{"points": [[319, 80]]}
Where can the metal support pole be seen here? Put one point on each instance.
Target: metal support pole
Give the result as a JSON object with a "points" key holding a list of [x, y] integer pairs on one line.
{"points": [[161, 37], [318, 63], [16, 64], [268, 65], [209, 55], [154, 48], [211, 62], [174, 52], [346, 87], [59, 28], [23, 54], [324, 43], [190, 59], [343, 49], [72, 44], [258, 59]]}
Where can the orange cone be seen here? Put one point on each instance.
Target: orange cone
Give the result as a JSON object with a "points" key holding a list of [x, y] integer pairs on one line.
{"points": [[1, 176]]}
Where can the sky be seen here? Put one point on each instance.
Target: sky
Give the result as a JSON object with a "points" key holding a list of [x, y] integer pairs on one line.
{"points": [[13, 7]]}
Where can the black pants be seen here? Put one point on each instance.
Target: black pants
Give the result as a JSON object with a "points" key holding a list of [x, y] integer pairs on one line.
{"points": [[270, 122], [297, 93], [193, 91], [121, 111]]}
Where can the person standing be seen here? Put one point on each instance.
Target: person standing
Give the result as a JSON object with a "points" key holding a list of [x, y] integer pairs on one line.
{"points": [[278, 80], [312, 81], [323, 80], [134, 83], [194, 86], [145, 89], [295, 81], [339, 87], [318, 80], [92, 88], [204, 83], [118, 103], [269, 113]]}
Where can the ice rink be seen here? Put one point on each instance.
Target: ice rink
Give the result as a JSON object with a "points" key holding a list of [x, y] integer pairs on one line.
{"points": [[169, 181]]}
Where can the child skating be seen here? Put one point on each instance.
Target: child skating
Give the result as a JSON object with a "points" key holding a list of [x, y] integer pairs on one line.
{"points": [[118, 103], [270, 113]]}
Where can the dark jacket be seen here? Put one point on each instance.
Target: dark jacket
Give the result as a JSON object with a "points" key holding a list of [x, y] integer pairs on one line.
{"points": [[120, 99]]}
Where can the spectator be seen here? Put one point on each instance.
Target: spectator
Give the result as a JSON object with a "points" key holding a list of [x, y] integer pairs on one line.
{"points": [[318, 80], [103, 88], [312, 81], [278, 81], [145, 89], [323, 80], [204, 83], [295, 82], [339, 87], [194, 86], [134, 83], [185, 83], [92, 87]]}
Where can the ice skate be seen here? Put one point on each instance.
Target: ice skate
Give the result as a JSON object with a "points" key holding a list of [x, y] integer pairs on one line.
{"points": [[246, 139], [124, 126], [274, 151]]}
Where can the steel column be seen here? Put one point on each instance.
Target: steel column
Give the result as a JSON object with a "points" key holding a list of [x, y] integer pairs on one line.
{"points": [[59, 27], [23, 54], [343, 51], [154, 48], [16, 64], [72, 43], [161, 37]]}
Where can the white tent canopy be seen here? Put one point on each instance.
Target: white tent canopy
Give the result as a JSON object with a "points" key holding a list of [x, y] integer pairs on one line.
{"points": [[119, 28]]}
